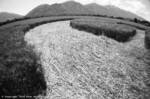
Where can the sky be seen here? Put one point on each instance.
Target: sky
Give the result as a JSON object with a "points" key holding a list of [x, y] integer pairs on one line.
{"points": [[22, 7]]}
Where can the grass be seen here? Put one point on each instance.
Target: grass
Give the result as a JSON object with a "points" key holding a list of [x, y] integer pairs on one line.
{"points": [[44, 22], [21, 73], [119, 21], [20, 69], [141, 24], [121, 33]]}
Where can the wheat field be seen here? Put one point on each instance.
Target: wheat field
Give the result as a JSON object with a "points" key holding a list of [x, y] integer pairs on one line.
{"points": [[79, 65]]}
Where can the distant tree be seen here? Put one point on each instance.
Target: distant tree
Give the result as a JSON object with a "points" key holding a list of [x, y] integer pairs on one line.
{"points": [[135, 20], [147, 38]]}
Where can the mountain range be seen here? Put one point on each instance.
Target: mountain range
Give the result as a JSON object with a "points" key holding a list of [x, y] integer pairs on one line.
{"points": [[75, 8], [110, 11], [66, 8], [72, 8], [8, 16]]}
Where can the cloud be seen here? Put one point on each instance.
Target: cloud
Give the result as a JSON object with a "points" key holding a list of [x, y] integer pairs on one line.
{"points": [[103, 2], [138, 7], [133, 6]]}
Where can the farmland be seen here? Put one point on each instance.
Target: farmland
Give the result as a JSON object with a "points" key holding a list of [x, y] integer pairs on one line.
{"points": [[21, 67], [79, 65], [116, 31]]}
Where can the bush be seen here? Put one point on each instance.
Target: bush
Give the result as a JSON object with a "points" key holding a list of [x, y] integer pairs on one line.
{"points": [[21, 73], [119, 32], [147, 39]]}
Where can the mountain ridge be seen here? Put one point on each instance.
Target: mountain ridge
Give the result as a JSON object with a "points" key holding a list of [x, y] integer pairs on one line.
{"points": [[4, 16], [111, 10], [75, 8]]}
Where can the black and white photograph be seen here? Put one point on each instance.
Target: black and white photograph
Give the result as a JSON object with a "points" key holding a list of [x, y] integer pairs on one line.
{"points": [[74, 49]]}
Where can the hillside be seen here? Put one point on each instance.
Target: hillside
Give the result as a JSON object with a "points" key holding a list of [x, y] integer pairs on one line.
{"points": [[8, 16], [115, 11], [110, 11], [46, 10], [75, 8], [97, 9], [66, 8], [72, 7]]}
